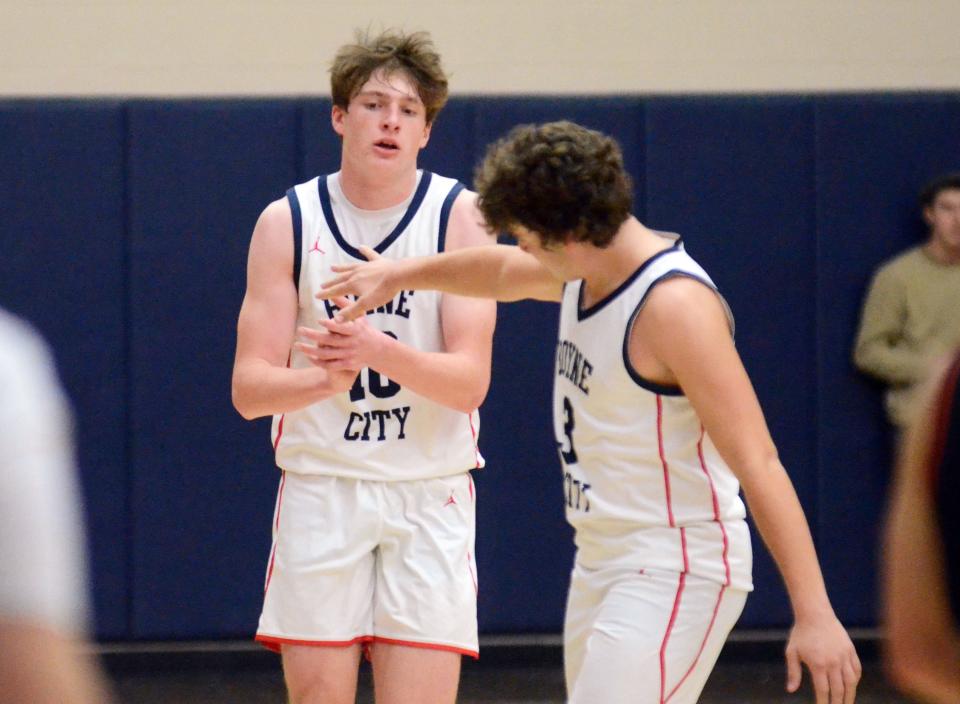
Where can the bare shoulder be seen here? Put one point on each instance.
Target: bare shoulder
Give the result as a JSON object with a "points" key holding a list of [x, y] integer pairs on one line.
{"points": [[682, 305], [466, 227], [276, 220], [271, 246], [273, 233]]}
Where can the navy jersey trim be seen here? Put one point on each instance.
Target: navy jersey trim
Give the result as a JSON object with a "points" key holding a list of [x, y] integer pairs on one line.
{"points": [[584, 313], [412, 209], [297, 234], [445, 214], [663, 389]]}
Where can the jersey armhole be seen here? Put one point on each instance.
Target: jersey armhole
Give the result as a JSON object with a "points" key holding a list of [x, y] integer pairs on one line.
{"points": [[663, 389], [445, 215], [297, 234]]}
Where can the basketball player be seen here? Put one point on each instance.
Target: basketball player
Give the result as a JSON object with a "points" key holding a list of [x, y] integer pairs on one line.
{"points": [[374, 524], [655, 419]]}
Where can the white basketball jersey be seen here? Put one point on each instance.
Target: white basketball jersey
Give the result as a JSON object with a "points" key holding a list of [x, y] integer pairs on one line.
{"points": [[644, 485], [378, 430]]}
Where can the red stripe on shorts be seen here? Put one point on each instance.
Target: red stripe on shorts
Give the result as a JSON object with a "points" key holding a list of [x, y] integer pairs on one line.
{"points": [[276, 530], [703, 643], [473, 575], [666, 637]]}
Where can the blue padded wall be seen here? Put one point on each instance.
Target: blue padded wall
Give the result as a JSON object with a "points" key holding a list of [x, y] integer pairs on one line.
{"points": [[453, 147], [873, 156], [524, 547], [735, 178], [63, 269], [204, 479], [319, 144], [126, 225], [621, 118]]}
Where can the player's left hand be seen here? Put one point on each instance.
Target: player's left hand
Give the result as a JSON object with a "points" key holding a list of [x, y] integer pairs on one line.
{"points": [[825, 648], [346, 345], [332, 348]]}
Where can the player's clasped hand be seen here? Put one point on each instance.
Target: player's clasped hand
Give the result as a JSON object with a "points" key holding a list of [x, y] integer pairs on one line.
{"points": [[829, 654], [317, 346], [370, 281], [342, 346]]}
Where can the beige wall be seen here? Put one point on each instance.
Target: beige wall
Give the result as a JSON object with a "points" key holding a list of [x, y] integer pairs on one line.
{"points": [[241, 47]]}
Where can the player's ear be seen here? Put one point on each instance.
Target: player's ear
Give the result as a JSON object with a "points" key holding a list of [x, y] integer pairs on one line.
{"points": [[337, 115], [426, 134]]}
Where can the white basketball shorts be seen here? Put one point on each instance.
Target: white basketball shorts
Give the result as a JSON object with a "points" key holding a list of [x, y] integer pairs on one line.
{"points": [[357, 561], [649, 636]]}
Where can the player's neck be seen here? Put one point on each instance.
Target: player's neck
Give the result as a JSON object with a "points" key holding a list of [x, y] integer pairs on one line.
{"points": [[376, 190], [606, 269], [942, 253]]}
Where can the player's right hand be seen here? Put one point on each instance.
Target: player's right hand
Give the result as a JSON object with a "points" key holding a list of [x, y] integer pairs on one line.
{"points": [[824, 646], [371, 282], [340, 377]]}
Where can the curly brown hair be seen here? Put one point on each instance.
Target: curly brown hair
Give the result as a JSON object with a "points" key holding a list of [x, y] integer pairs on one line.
{"points": [[559, 180], [391, 51]]}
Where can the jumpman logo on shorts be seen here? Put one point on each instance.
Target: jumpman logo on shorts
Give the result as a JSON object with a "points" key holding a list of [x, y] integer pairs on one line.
{"points": [[316, 247], [451, 500]]}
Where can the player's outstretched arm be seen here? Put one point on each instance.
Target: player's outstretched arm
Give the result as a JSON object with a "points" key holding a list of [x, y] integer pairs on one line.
{"points": [[500, 272], [683, 336], [262, 383]]}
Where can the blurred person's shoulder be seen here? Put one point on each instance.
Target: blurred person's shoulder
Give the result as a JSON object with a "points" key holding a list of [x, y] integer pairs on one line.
{"points": [[19, 340], [26, 362], [905, 264]]}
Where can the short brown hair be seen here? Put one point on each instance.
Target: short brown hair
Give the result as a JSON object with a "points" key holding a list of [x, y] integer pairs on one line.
{"points": [[390, 51], [944, 182], [559, 180]]}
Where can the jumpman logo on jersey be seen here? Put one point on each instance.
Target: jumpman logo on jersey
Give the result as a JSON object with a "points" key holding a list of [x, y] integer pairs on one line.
{"points": [[316, 247], [451, 500]]}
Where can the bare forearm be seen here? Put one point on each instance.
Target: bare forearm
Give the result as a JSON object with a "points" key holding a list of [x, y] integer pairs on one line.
{"points": [[478, 272], [779, 517], [497, 272], [260, 389]]}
